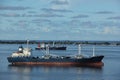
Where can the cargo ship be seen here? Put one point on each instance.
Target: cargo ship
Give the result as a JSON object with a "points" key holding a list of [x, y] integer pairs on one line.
{"points": [[43, 46], [24, 57]]}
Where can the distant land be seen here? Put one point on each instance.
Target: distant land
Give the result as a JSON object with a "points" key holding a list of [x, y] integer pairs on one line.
{"points": [[60, 42]]}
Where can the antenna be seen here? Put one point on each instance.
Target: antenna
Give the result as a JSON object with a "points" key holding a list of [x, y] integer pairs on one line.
{"points": [[79, 49]]}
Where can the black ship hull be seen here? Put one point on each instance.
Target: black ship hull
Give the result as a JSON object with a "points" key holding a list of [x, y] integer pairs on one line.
{"points": [[95, 61], [52, 48]]}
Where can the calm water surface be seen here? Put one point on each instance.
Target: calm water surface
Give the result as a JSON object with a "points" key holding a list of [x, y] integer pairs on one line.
{"points": [[110, 71]]}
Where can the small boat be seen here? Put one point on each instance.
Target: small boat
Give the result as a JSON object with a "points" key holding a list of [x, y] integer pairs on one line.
{"points": [[43, 46], [25, 57]]}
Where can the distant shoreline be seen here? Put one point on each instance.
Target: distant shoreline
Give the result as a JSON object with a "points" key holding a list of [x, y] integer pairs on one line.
{"points": [[60, 42]]}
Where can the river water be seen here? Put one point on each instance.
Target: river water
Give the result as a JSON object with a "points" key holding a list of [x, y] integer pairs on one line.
{"points": [[110, 70]]}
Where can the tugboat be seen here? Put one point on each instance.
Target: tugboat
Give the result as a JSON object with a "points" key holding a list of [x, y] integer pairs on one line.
{"points": [[24, 57], [42, 46]]}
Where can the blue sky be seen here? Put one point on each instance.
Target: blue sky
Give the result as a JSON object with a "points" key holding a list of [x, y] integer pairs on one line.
{"points": [[60, 19]]}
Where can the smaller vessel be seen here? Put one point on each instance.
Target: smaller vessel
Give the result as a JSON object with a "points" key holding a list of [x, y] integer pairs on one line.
{"points": [[43, 46]]}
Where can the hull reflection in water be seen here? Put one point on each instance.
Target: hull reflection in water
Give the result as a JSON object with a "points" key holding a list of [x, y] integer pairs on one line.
{"points": [[29, 68], [34, 72], [54, 72]]}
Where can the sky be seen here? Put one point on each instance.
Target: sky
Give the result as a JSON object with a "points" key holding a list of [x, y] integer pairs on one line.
{"points": [[60, 20]]}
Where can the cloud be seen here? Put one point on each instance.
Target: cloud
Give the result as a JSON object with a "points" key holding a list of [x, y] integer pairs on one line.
{"points": [[41, 20], [30, 15], [48, 15], [60, 5], [42, 15], [87, 23], [104, 12], [55, 10], [96, 28], [46, 29], [22, 25], [115, 18], [111, 30], [32, 12], [109, 23], [13, 8], [22, 21], [10, 15], [60, 2], [107, 30], [80, 16]]}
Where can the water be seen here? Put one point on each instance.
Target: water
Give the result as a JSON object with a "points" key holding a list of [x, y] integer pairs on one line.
{"points": [[110, 71]]}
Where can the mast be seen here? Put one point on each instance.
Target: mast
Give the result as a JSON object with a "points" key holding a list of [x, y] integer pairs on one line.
{"points": [[27, 50], [38, 45], [53, 43], [79, 49], [27, 44], [47, 49], [93, 50]]}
